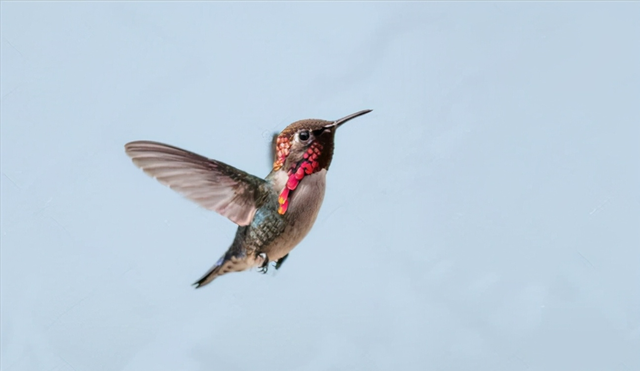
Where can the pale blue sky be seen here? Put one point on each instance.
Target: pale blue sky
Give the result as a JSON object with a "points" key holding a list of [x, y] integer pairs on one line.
{"points": [[483, 217]]}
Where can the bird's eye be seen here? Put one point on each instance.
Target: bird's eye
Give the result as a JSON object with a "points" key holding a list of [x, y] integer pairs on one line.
{"points": [[303, 135]]}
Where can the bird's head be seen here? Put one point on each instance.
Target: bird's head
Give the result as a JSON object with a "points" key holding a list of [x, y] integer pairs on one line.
{"points": [[303, 148], [308, 141]]}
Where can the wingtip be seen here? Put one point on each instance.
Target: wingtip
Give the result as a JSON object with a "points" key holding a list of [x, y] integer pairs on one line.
{"points": [[131, 146], [133, 143], [138, 146]]}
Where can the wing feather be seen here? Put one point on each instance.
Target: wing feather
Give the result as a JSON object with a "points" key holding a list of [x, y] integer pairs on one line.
{"points": [[212, 184]]}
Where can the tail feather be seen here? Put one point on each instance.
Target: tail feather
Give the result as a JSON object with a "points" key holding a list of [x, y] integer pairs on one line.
{"points": [[227, 264]]}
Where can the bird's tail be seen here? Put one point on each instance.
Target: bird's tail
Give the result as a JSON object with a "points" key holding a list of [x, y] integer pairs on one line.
{"points": [[228, 263]]}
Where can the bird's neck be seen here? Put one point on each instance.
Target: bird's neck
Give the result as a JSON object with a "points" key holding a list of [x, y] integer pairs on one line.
{"points": [[285, 181]]}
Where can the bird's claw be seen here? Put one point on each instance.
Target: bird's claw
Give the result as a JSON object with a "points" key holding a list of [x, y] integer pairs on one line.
{"points": [[265, 264]]}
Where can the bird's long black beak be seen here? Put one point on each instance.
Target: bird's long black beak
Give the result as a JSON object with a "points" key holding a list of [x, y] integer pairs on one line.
{"points": [[341, 121]]}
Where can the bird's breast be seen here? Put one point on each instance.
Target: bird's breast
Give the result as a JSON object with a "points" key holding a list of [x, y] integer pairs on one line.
{"points": [[304, 205], [306, 199]]}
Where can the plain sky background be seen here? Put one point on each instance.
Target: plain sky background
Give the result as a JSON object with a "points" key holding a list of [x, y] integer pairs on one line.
{"points": [[485, 216]]}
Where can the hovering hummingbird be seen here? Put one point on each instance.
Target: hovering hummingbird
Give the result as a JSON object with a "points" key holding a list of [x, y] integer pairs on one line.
{"points": [[273, 214]]}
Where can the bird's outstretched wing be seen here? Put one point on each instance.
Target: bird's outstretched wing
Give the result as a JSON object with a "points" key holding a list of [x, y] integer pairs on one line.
{"points": [[212, 184]]}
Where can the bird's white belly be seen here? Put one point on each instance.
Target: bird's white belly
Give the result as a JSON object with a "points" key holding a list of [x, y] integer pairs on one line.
{"points": [[304, 205]]}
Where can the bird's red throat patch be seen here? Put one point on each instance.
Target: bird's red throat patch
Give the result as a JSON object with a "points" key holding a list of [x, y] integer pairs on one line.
{"points": [[297, 172], [283, 146]]}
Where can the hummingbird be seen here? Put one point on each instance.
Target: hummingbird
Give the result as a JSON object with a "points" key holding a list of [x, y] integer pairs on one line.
{"points": [[273, 214]]}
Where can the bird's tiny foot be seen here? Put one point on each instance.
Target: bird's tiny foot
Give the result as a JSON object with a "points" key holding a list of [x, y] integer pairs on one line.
{"points": [[280, 261], [265, 264]]}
